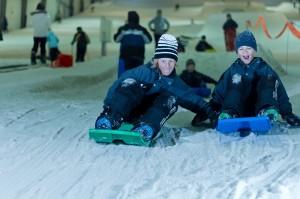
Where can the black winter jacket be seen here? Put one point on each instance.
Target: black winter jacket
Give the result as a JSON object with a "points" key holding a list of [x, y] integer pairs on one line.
{"points": [[257, 67], [230, 24], [133, 38], [156, 83], [196, 79]]}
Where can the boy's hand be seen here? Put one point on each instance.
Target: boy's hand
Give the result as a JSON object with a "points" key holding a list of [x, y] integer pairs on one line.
{"points": [[212, 116], [292, 120]]}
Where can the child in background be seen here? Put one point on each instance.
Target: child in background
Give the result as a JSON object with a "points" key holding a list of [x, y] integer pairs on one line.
{"points": [[196, 80], [250, 87], [82, 40], [150, 94], [203, 45], [53, 41]]}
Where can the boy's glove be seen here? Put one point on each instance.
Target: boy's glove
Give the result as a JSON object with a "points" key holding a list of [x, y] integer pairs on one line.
{"points": [[199, 118], [292, 120], [212, 116], [224, 116]]}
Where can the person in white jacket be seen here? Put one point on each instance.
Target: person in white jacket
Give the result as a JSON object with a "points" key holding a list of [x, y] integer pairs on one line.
{"points": [[41, 24]]}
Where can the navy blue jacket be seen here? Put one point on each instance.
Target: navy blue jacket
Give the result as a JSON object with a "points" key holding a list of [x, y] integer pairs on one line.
{"points": [[157, 83], [133, 38], [257, 67], [196, 79]]}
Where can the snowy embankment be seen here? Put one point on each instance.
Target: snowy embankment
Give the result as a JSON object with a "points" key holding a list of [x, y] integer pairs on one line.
{"points": [[45, 151]]}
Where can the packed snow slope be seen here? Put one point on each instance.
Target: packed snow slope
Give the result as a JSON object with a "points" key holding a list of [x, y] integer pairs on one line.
{"points": [[45, 151]]}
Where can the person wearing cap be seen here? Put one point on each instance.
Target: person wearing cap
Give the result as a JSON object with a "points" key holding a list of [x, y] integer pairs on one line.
{"points": [[132, 37], [196, 80], [149, 95], [250, 87]]}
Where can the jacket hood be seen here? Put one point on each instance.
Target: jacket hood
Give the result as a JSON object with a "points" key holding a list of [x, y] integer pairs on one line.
{"points": [[133, 17]]}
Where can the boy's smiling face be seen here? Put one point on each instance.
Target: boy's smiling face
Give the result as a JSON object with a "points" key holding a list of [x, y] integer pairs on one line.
{"points": [[166, 66], [246, 54]]}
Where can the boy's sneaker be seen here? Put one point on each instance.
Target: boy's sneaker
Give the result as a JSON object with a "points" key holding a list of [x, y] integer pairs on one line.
{"points": [[103, 122], [145, 130], [271, 113]]}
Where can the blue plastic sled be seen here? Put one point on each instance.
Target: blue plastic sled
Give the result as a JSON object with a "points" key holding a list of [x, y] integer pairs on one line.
{"points": [[245, 125]]}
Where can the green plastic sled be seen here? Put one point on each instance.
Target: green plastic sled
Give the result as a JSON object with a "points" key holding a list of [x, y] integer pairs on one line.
{"points": [[121, 135]]}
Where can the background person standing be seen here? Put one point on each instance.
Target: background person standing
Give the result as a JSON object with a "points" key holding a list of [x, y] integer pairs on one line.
{"points": [[41, 24], [53, 46], [82, 40], [132, 37], [4, 24], [229, 28], [159, 25]]}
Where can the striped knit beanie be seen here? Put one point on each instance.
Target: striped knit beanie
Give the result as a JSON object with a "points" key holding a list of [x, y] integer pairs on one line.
{"points": [[167, 47]]}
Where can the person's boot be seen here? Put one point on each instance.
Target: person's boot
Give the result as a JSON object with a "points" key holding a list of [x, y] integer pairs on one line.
{"points": [[103, 122], [33, 58], [145, 130], [106, 120], [43, 59]]}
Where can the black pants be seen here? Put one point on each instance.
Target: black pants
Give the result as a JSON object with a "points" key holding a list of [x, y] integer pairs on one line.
{"points": [[156, 38], [54, 52], [130, 102], [80, 53], [248, 98], [39, 42]]}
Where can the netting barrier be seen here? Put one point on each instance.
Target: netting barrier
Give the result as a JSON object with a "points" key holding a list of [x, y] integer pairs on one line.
{"points": [[262, 22]]}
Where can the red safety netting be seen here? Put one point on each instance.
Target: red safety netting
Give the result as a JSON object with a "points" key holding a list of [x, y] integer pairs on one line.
{"points": [[288, 25]]}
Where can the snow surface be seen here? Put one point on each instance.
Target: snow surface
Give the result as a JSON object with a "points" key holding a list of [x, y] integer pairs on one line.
{"points": [[45, 151]]}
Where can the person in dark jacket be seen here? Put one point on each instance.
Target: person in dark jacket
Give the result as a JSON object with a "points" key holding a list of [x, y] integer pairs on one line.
{"points": [[196, 80], [181, 47], [1, 36], [229, 28], [250, 87], [4, 24], [203, 45], [132, 37], [148, 95], [82, 40]]}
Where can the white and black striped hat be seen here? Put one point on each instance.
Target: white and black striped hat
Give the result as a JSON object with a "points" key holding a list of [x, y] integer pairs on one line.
{"points": [[167, 47]]}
